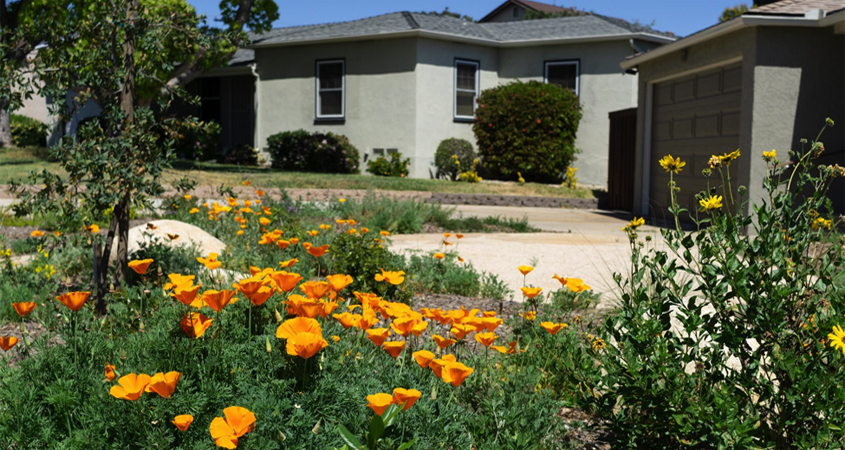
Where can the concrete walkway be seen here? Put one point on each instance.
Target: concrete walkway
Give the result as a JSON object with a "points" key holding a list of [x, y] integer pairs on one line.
{"points": [[586, 244]]}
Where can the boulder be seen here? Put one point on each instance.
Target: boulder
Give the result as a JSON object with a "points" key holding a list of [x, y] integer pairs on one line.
{"points": [[188, 235]]}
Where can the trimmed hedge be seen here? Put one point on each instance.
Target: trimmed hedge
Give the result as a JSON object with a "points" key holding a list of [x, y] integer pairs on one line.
{"points": [[527, 128], [302, 151], [446, 165], [28, 132]]}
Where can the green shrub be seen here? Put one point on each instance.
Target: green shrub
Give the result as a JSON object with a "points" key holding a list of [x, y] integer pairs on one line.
{"points": [[196, 140], [312, 152], [394, 166], [452, 157], [28, 132], [242, 155], [443, 276], [358, 256], [528, 128]]}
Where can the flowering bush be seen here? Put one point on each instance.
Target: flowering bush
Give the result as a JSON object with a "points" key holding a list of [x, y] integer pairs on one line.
{"points": [[391, 166], [452, 157], [313, 152]]}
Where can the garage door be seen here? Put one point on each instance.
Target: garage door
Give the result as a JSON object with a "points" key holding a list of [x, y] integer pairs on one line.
{"points": [[694, 117]]}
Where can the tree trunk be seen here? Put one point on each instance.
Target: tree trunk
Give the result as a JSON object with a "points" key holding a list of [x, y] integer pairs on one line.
{"points": [[127, 104], [102, 273], [5, 126]]}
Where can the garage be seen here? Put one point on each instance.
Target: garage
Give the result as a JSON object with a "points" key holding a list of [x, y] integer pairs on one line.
{"points": [[694, 117]]}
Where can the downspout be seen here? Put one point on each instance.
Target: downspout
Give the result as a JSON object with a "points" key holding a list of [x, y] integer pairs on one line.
{"points": [[256, 132], [635, 46]]}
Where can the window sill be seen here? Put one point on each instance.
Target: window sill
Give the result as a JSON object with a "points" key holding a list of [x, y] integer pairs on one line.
{"points": [[329, 120], [464, 119]]}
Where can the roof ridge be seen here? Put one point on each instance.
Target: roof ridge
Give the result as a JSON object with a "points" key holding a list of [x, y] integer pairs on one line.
{"points": [[411, 21]]}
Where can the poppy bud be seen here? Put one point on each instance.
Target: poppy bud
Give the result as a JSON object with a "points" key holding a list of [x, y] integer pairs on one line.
{"points": [[278, 316], [267, 344]]}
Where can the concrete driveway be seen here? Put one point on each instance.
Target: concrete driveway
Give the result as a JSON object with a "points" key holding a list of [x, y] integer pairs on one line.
{"points": [[586, 244]]}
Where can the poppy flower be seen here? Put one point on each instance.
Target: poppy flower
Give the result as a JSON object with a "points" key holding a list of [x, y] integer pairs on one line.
{"points": [[439, 256], [404, 325], [368, 320], [491, 323], [348, 320], [459, 236], [339, 281], [249, 286], [306, 345], [315, 289], [379, 402], [394, 348], [37, 234], [419, 328], [74, 300], [217, 300], [183, 421], [245, 183], [423, 357], [93, 228], [186, 294], [576, 285], [384, 233], [437, 364], [237, 423], [195, 324], [288, 263], [486, 339], [365, 230], [163, 384], [394, 278], [210, 262], [531, 292], [509, 350], [461, 330], [406, 397], [455, 373], [24, 308], [442, 342], [177, 280], [525, 270], [552, 327], [292, 327], [529, 315], [378, 335], [7, 342], [140, 266], [294, 241], [259, 192], [261, 296], [318, 251], [264, 221], [285, 281], [110, 371], [131, 386]]}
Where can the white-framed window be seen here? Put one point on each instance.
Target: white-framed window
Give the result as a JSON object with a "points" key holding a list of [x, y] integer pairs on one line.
{"points": [[466, 89], [331, 89], [563, 73]]}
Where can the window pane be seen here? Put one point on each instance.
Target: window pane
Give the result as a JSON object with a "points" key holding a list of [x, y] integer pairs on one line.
{"points": [[210, 87], [465, 104], [331, 103], [466, 76], [331, 75], [210, 110], [563, 75]]}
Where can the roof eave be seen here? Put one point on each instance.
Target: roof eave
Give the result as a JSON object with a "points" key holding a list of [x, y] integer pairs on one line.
{"points": [[730, 27]]}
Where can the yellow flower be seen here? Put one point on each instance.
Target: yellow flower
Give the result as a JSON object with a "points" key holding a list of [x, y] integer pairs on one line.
{"points": [[341, 200], [186, 197], [837, 338], [193, 211], [714, 202], [37, 234], [634, 224], [672, 164], [728, 157], [525, 270], [821, 222], [770, 156]]}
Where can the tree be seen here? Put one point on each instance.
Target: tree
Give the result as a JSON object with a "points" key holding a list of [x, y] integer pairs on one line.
{"points": [[733, 11], [131, 58]]}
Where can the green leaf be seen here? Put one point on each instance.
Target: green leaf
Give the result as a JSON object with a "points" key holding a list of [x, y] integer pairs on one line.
{"points": [[348, 438], [833, 427], [407, 445], [390, 415], [376, 430]]}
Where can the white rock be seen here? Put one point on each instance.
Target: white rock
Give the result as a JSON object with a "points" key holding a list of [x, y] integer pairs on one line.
{"points": [[188, 235]]}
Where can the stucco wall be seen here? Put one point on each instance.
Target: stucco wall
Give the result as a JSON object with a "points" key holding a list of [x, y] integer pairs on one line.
{"points": [[435, 95], [603, 88], [380, 94]]}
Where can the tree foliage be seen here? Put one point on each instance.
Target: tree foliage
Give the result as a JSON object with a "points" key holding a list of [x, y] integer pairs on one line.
{"points": [[734, 11]]}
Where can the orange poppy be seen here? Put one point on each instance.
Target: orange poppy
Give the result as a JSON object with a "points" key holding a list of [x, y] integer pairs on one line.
{"points": [[510, 349], [131, 386], [491, 323], [264, 292], [348, 320], [442, 342], [259, 192], [286, 281], [423, 357], [439, 255], [195, 324], [238, 422], [288, 263], [531, 292], [183, 421], [110, 371], [264, 221], [486, 339], [24, 308], [74, 300], [394, 278], [217, 300], [384, 233], [186, 294], [306, 345], [576, 285], [529, 315], [459, 236], [406, 397], [339, 281], [210, 262], [303, 306], [140, 266], [368, 320], [394, 348], [177, 280], [7, 342], [315, 289], [328, 307], [294, 241], [318, 251], [379, 402], [438, 364], [163, 384], [525, 270], [419, 328], [378, 335], [93, 228], [404, 325], [455, 373], [552, 327], [460, 330], [37, 234], [292, 327], [249, 286]]}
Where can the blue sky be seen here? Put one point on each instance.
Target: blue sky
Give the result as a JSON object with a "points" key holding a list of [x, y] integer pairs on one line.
{"points": [[683, 17]]}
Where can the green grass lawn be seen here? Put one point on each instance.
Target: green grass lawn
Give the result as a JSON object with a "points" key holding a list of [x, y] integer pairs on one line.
{"points": [[15, 164]]}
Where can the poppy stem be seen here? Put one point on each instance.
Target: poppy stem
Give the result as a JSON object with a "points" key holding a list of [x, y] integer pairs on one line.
{"points": [[249, 330]]}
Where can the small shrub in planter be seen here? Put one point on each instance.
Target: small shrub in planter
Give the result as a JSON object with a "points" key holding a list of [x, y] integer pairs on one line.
{"points": [[27, 132], [527, 128], [300, 150], [393, 167], [452, 157], [242, 155]]}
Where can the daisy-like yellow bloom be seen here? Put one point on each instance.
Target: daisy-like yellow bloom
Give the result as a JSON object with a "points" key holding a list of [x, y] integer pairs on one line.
{"points": [[672, 164], [634, 224], [726, 158], [186, 196], [714, 202], [821, 222], [770, 156], [837, 338], [341, 200]]}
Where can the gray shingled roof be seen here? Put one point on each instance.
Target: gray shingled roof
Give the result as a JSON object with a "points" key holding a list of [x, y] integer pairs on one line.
{"points": [[545, 29], [242, 57]]}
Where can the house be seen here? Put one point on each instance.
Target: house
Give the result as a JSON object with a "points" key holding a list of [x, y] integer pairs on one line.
{"points": [[758, 82], [512, 10], [405, 81]]}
